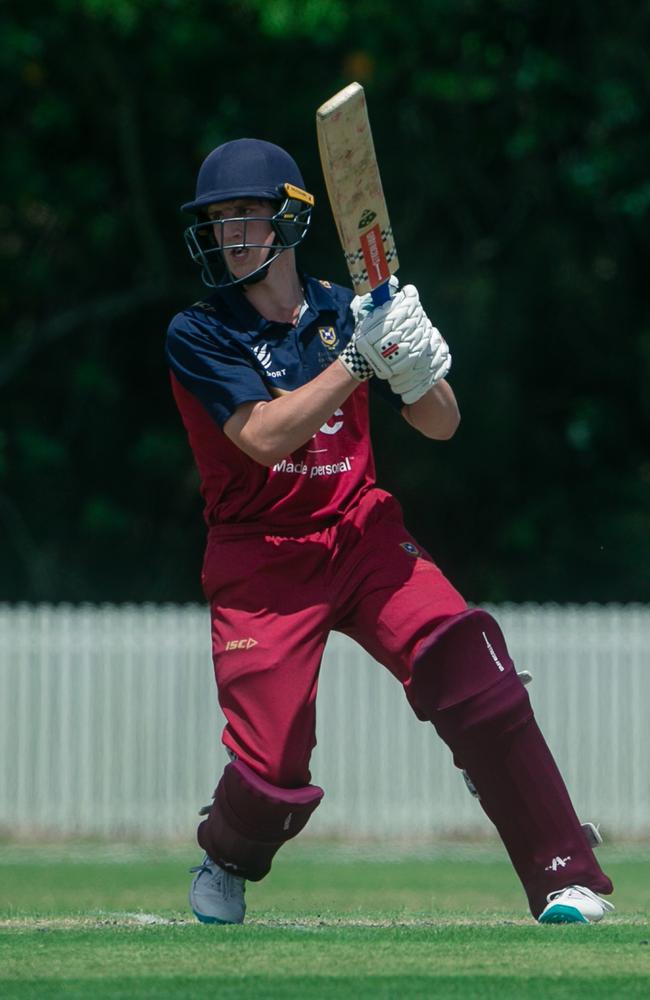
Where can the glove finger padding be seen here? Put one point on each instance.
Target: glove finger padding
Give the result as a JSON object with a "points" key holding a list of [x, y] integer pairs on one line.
{"points": [[392, 337], [432, 365], [420, 370], [440, 361]]}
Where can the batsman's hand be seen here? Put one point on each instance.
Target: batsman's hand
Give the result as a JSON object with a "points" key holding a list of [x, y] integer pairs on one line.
{"points": [[392, 337], [432, 366], [362, 305]]}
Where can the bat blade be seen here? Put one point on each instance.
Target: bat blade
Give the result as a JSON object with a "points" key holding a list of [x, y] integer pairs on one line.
{"points": [[353, 182]]}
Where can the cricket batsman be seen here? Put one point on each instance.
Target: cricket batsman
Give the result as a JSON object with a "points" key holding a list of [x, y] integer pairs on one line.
{"points": [[271, 373]]}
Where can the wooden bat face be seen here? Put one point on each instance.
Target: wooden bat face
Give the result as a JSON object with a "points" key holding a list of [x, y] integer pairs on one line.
{"points": [[355, 191]]}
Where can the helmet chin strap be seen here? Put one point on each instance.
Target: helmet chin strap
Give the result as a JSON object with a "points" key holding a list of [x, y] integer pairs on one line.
{"points": [[256, 278]]}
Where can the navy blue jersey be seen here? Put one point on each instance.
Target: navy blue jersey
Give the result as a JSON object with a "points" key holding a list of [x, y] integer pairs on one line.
{"points": [[222, 354]]}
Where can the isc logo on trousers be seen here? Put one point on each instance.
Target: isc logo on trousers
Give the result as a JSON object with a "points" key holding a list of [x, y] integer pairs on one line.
{"points": [[240, 643]]}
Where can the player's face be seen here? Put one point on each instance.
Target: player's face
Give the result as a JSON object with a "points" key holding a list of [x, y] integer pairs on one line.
{"points": [[243, 230]]}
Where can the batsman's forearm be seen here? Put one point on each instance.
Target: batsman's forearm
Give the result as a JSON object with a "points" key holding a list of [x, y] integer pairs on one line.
{"points": [[436, 414], [269, 431]]}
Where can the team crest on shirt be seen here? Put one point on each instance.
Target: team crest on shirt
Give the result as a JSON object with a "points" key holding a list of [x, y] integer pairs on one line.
{"points": [[328, 336], [325, 284], [409, 547]]}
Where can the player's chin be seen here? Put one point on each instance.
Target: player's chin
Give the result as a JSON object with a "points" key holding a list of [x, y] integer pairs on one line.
{"points": [[243, 262]]}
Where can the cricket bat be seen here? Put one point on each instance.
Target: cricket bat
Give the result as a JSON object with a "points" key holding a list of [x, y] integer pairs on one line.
{"points": [[353, 182]]}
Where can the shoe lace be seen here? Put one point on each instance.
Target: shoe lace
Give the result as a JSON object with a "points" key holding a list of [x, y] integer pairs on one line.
{"points": [[203, 867], [580, 890], [224, 881]]}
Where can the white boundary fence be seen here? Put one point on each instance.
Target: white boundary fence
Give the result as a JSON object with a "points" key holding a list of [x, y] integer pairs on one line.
{"points": [[109, 725]]}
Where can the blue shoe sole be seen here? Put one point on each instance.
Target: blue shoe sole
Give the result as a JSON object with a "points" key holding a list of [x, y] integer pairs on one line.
{"points": [[562, 914], [209, 920]]}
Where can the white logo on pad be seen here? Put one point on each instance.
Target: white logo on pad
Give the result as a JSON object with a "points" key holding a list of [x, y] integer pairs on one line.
{"points": [[492, 653], [557, 863]]}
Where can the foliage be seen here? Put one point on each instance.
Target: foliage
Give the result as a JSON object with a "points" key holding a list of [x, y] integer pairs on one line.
{"points": [[513, 138]]}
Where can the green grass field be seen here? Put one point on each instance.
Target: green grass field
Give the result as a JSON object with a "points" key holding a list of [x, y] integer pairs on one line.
{"points": [[97, 922]]}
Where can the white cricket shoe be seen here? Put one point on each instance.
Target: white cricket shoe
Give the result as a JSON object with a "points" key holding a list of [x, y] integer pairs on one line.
{"points": [[217, 896], [574, 905]]}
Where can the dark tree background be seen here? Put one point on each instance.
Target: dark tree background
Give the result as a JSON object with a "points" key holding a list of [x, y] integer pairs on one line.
{"points": [[514, 140]]}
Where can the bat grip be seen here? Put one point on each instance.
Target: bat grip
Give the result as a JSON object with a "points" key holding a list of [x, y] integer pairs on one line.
{"points": [[380, 294]]}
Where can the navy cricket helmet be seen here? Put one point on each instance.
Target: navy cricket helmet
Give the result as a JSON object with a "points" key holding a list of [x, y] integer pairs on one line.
{"points": [[247, 168]]}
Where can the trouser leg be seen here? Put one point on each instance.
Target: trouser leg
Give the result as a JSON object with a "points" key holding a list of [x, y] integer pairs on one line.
{"points": [[266, 667]]}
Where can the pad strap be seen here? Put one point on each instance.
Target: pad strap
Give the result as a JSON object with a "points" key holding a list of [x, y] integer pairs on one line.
{"points": [[250, 819]]}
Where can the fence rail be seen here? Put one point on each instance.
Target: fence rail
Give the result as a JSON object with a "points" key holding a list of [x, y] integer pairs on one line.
{"points": [[109, 724]]}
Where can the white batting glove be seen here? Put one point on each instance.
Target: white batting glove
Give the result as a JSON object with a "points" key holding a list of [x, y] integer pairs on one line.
{"points": [[361, 307], [393, 336], [432, 366]]}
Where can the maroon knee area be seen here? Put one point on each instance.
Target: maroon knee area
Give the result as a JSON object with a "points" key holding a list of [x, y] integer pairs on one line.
{"points": [[250, 819], [465, 655], [475, 726]]}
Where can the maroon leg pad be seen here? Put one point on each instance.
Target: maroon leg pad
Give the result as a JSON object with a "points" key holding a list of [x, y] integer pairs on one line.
{"points": [[464, 655], [250, 819], [493, 735]]}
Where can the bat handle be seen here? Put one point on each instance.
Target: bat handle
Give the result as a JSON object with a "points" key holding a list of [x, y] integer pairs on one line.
{"points": [[380, 294]]}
